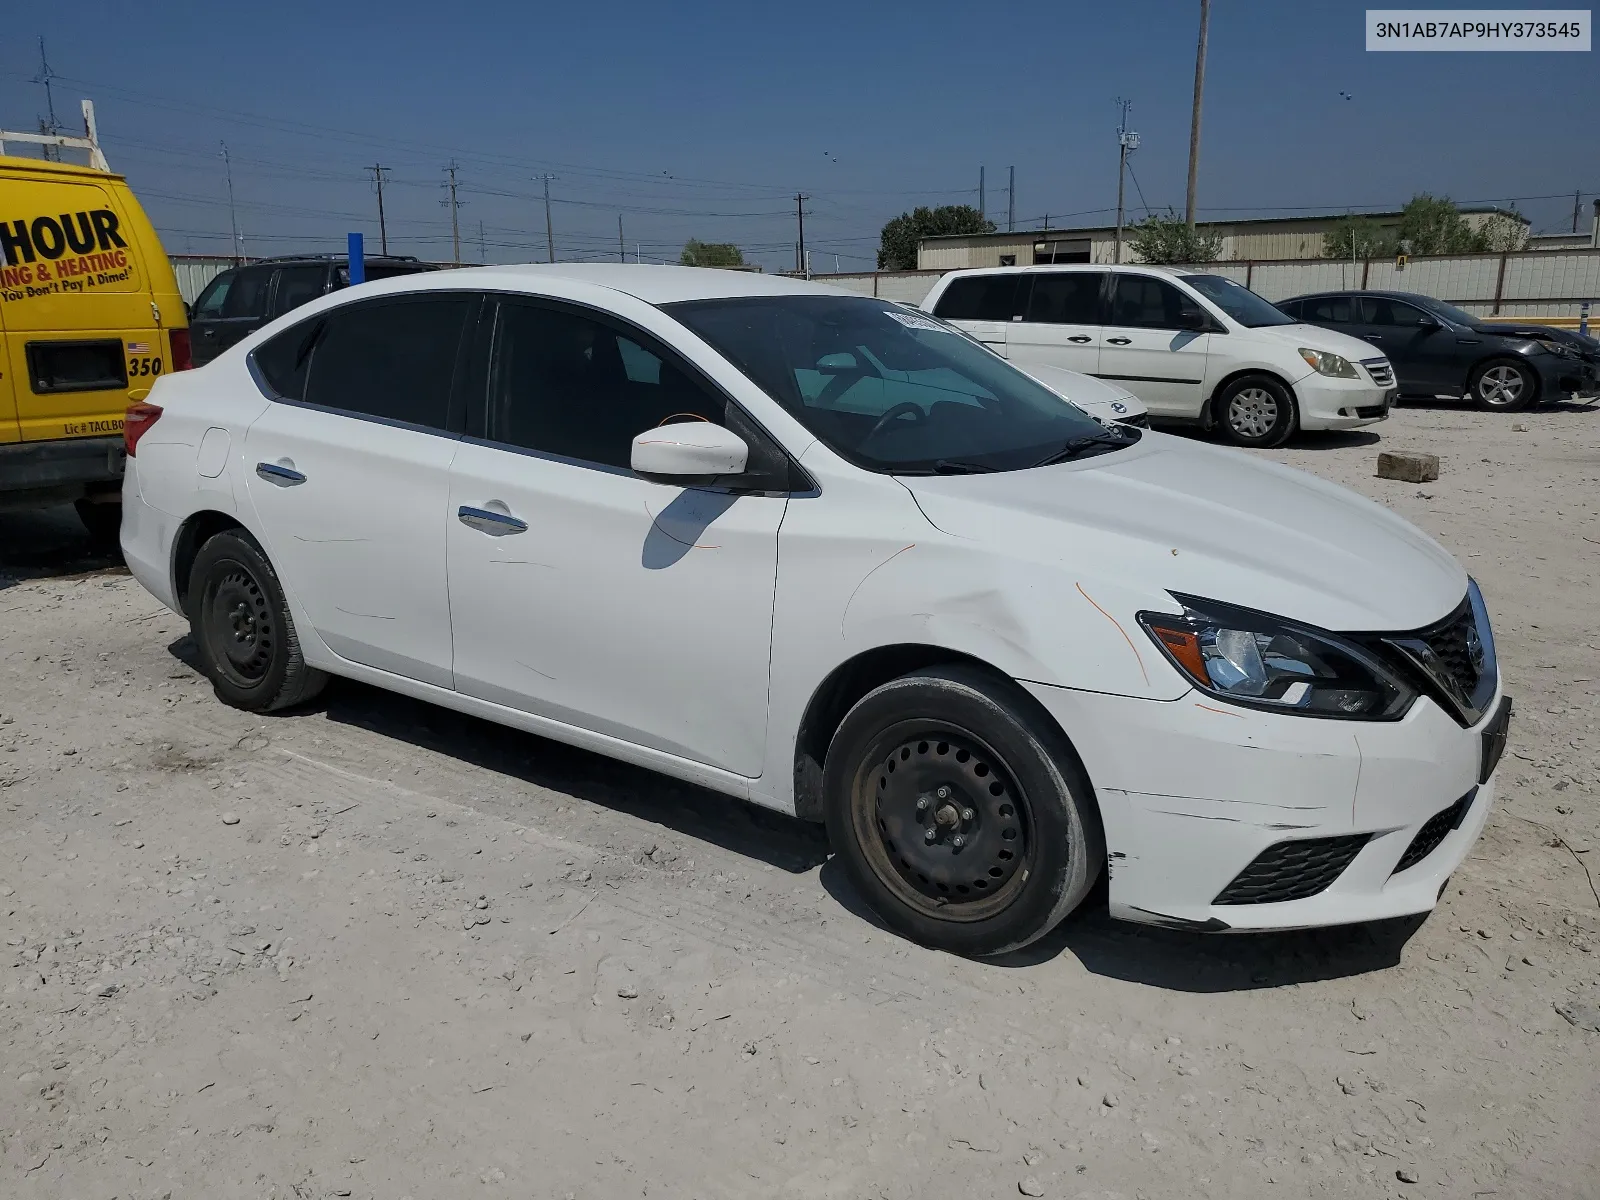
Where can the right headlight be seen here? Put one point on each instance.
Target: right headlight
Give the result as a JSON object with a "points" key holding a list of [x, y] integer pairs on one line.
{"points": [[1324, 363], [1267, 662]]}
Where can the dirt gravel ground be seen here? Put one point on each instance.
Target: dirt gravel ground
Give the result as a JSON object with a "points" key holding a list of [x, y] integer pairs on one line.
{"points": [[379, 950]]}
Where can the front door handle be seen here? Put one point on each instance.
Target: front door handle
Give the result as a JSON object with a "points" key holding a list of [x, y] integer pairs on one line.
{"points": [[1080, 337], [486, 520], [1119, 341], [282, 476]]}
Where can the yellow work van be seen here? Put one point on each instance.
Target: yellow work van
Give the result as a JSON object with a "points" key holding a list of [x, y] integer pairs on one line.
{"points": [[90, 316]]}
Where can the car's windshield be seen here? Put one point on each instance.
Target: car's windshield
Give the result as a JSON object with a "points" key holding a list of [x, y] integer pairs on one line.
{"points": [[1240, 303], [892, 390], [1448, 311]]}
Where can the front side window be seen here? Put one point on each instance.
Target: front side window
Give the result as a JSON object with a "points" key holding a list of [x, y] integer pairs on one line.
{"points": [[891, 390], [1066, 298], [1238, 301], [1382, 311], [390, 359], [567, 384], [1144, 302], [980, 298], [210, 301]]}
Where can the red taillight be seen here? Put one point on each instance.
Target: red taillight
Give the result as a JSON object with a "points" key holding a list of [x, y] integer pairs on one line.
{"points": [[182, 360], [137, 423]]}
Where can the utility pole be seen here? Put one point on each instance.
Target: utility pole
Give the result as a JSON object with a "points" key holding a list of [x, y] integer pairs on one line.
{"points": [[1577, 200], [800, 246], [379, 174], [1011, 199], [483, 248], [981, 209], [1194, 120], [549, 228], [233, 215], [622, 246], [455, 222], [48, 124], [1127, 141]]}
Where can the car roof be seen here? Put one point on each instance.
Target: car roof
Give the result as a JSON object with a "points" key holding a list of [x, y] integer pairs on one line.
{"points": [[1411, 296], [1133, 268], [652, 284]]}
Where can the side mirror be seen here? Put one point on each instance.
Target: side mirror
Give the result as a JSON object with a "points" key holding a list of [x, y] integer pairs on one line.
{"points": [[1427, 322], [1194, 320], [842, 363], [692, 452]]}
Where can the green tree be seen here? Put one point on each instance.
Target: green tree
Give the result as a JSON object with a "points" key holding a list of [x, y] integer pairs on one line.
{"points": [[1434, 225], [711, 254], [1168, 239], [897, 248], [1357, 236], [1503, 231]]}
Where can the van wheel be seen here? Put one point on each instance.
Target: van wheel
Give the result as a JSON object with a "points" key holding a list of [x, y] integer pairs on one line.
{"points": [[1503, 385], [960, 813], [103, 521], [243, 630], [1257, 411]]}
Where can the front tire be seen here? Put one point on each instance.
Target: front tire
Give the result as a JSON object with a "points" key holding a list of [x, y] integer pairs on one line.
{"points": [[1257, 411], [960, 813], [1503, 385], [242, 628]]}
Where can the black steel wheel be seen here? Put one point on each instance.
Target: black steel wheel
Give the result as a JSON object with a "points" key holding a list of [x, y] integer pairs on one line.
{"points": [[243, 630], [960, 812]]}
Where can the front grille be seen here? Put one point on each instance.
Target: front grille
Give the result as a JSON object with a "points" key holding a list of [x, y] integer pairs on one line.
{"points": [[1293, 870], [1380, 370], [1434, 831], [1449, 643]]}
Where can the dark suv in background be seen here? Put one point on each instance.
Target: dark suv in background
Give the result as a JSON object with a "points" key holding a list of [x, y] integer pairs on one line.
{"points": [[1439, 350], [243, 299]]}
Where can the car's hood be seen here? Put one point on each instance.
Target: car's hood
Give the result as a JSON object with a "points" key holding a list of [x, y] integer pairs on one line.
{"points": [[1174, 515], [1542, 333], [1315, 337], [1104, 400]]}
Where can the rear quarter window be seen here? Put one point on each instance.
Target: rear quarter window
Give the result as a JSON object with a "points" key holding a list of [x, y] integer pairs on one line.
{"points": [[979, 298]]}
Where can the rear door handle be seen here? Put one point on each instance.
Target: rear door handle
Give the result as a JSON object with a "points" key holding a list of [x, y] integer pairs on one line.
{"points": [[1115, 341], [486, 520], [282, 476], [1080, 337]]}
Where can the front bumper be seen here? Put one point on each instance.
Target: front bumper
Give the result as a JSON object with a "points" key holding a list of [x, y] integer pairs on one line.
{"points": [[1328, 403], [1193, 791]]}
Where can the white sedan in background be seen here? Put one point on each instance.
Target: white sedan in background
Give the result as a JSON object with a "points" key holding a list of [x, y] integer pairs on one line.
{"points": [[822, 553]]}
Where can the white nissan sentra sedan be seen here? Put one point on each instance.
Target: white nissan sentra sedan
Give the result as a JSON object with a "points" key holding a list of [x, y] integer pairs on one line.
{"points": [[824, 554]]}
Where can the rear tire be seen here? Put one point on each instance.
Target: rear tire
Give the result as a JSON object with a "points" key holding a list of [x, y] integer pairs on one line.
{"points": [[242, 628], [1503, 385], [103, 521], [960, 813], [1257, 411]]}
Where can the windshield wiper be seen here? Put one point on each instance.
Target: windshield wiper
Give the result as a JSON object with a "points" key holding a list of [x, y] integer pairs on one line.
{"points": [[956, 466], [1081, 447]]}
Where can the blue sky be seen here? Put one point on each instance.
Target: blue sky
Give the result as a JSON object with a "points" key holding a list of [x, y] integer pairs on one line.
{"points": [[704, 119]]}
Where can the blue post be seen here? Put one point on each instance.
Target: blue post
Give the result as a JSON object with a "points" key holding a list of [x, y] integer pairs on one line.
{"points": [[1583, 318], [358, 261]]}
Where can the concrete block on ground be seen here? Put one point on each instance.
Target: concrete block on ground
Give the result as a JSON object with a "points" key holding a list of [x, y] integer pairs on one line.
{"points": [[1408, 468]]}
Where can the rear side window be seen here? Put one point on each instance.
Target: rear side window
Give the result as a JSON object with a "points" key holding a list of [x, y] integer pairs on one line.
{"points": [[980, 298], [1330, 310], [282, 361], [1067, 298], [247, 294], [297, 286], [390, 359]]}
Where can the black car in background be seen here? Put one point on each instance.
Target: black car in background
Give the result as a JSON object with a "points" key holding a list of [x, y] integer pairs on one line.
{"points": [[243, 299], [1439, 350]]}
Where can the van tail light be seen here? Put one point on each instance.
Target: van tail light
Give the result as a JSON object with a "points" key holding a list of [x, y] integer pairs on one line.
{"points": [[137, 423], [182, 360]]}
